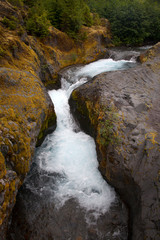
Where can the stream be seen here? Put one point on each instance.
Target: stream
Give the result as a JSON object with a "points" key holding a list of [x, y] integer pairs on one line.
{"points": [[64, 196]]}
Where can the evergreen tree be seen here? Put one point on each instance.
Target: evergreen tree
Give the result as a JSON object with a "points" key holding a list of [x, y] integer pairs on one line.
{"points": [[37, 22], [132, 21]]}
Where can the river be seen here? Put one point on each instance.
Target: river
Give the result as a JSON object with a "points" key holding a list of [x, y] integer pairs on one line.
{"points": [[64, 196]]}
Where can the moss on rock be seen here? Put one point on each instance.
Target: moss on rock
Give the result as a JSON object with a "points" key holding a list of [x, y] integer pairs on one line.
{"points": [[25, 110], [44, 58]]}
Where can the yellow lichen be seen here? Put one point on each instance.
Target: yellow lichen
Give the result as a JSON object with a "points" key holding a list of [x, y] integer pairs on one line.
{"points": [[21, 99], [151, 136]]}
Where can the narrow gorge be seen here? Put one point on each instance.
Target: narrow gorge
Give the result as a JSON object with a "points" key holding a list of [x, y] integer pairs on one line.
{"points": [[64, 188], [79, 133], [27, 63]]}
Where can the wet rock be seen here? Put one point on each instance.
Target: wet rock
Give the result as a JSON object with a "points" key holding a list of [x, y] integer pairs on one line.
{"points": [[120, 110]]}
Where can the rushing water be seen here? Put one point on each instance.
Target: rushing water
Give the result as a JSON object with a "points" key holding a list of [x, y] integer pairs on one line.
{"points": [[71, 153], [65, 166]]}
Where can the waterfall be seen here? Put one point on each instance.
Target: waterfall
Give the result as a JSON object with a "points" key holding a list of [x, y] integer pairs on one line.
{"points": [[71, 153], [64, 190]]}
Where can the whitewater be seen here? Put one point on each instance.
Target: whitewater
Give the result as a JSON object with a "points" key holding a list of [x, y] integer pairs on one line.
{"points": [[70, 153]]}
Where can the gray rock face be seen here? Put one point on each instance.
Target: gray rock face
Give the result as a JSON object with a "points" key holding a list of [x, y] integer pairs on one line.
{"points": [[121, 110]]}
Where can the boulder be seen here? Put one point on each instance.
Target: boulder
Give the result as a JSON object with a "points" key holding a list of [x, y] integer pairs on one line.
{"points": [[121, 111], [26, 114]]}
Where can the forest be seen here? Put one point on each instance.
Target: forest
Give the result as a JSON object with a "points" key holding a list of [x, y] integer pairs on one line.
{"points": [[132, 22]]}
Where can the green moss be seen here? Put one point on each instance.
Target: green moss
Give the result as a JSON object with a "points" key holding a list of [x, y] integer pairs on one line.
{"points": [[10, 23]]}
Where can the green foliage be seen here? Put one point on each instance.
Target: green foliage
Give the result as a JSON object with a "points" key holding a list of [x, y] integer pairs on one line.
{"points": [[133, 22], [10, 23], [96, 19], [68, 15], [153, 26], [129, 26], [37, 23], [88, 18], [97, 6], [30, 3], [71, 16]]}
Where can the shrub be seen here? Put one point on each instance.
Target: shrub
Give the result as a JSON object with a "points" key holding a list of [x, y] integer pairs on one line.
{"points": [[69, 15], [10, 23], [96, 19], [88, 18], [38, 24]]}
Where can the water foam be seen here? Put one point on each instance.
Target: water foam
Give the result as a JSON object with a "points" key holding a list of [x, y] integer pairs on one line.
{"points": [[104, 65], [72, 154]]}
